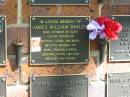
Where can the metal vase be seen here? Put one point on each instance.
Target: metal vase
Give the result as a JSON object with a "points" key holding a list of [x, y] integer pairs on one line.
{"points": [[102, 49], [18, 47]]}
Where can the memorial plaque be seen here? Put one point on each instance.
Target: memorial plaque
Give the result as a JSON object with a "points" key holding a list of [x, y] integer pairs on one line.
{"points": [[59, 86], [2, 87], [59, 40], [118, 85], [120, 2], [2, 41], [55, 2], [2, 2], [120, 50]]}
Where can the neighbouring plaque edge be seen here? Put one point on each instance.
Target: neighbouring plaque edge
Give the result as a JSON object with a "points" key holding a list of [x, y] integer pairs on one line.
{"points": [[36, 4], [116, 61], [5, 39], [116, 4]]}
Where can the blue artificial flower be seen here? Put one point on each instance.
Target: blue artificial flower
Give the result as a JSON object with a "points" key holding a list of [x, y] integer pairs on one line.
{"points": [[95, 28]]}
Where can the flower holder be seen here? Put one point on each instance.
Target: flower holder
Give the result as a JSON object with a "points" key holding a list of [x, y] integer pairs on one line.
{"points": [[18, 47], [102, 50]]}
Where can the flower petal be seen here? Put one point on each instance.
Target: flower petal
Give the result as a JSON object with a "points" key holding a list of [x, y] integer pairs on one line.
{"points": [[102, 35], [92, 25], [92, 35], [101, 27]]}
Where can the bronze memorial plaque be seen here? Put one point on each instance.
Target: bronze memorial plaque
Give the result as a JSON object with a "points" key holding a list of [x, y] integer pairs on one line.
{"points": [[118, 85], [3, 48], [120, 50], [61, 2], [120, 2], [59, 86], [59, 40], [2, 87]]}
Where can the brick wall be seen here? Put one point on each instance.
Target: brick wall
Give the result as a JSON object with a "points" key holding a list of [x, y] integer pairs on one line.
{"points": [[17, 14]]}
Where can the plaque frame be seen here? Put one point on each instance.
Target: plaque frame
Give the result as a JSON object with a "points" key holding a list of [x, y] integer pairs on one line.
{"points": [[34, 4], [112, 2], [5, 39], [44, 64], [109, 57], [31, 78], [3, 79]]}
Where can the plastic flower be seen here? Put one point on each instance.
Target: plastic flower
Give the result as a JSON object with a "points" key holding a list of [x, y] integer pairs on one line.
{"points": [[112, 29], [106, 28], [95, 29]]}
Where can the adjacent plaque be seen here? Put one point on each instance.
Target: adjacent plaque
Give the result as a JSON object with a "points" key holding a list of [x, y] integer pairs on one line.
{"points": [[59, 86], [120, 2], [118, 85], [59, 40], [2, 2], [55, 2], [2, 87], [120, 50], [2, 41]]}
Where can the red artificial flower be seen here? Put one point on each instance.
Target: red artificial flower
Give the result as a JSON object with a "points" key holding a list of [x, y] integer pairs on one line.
{"points": [[101, 19], [112, 27]]}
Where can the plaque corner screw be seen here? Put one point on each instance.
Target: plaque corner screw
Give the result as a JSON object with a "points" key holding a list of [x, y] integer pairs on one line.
{"points": [[3, 79], [87, 18], [86, 1], [33, 61], [3, 18], [112, 1], [4, 62], [109, 75], [33, 18], [113, 17], [111, 58], [33, 79], [33, 1]]}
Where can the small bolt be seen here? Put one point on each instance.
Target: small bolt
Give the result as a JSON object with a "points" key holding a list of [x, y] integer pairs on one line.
{"points": [[86, 1], [112, 1], [33, 1], [112, 58], [3, 79], [113, 17], [3, 18], [109, 75], [33, 61], [33, 18], [3, 62], [33, 79], [86, 60]]}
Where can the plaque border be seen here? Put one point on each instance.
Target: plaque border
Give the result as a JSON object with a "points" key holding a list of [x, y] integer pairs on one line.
{"points": [[34, 4], [116, 4], [5, 46], [108, 75], [48, 64], [4, 78], [86, 75]]}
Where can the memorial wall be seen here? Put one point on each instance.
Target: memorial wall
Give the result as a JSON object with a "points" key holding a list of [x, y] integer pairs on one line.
{"points": [[46, 50]]}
